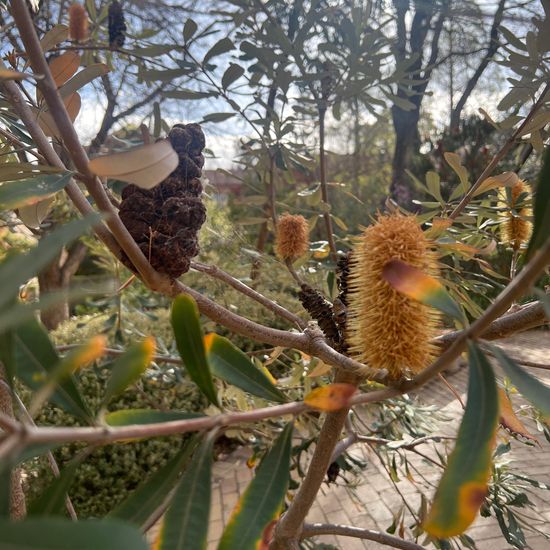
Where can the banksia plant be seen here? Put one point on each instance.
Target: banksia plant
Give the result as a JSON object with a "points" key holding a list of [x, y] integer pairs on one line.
{"points": [[78, 23], [117, 26], [292, 240], [515, 227], [385, 329]]}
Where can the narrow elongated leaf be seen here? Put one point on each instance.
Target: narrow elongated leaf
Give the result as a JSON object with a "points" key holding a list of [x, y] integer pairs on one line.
{"points": [[54, 36], [506, 179], [146, 166], [232, 365], [189, 29], [14, 194], [147, 498], [35, 356], [415, 284], [128, 417], [463, 487], [19, 269], [8, 74], [81, 356], [531, 388], [455, 162], [541, 208], [190, 343], [52, 501], [222, 46], [185, 524], [330, 398], [188, 94], [263, 498], [129, 367], [63, 534], [217, 117], [86, 75], [509, 419]]}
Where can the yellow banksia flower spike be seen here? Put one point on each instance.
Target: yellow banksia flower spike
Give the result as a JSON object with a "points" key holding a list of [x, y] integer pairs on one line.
{"points": [[292, 239], [78, 23], [515, 230], [385, 328]]}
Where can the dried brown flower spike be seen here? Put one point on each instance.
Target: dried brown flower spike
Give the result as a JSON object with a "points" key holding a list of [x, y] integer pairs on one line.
{"points": [[292, 240], [515, 229], [385, 329], [117, 26], [78, 23]]}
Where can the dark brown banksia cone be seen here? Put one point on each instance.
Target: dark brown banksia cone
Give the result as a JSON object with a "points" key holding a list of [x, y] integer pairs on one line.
{"points": [[117, 26], [165, 221]]}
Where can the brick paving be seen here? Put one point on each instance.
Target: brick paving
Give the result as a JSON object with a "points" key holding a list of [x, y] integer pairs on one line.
{"points": [[372, 502]]}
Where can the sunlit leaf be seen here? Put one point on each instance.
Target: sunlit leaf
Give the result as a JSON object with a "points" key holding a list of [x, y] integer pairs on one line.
{"points": [[417, 285], [190, 343], [330, 398], [146, 166], [506, 179], [147, 498], [509, 419], [128, 368], [8, 74], [59, 534], [531, 388], [185, 524], [64, 67], [463, 487], [541, 208], [319, 370], [46, 121], [455, 162], [22, 192], [127, 417], [262, 501], [232, 365]]}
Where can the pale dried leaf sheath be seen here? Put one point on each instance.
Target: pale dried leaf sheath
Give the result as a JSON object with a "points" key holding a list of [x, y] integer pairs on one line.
{"points": [[145, 166]]}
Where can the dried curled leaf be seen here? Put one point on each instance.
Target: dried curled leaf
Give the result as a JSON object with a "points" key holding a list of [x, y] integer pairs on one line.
{"points": [[145, 166], [64, 67], [506, 179], [45, 120], [330, 398], [509, 419]]}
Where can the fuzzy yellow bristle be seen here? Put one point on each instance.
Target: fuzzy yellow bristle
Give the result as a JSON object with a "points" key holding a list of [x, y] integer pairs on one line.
{"points": [[292, 239], [385, 329], [515, 230], [78, 23]]}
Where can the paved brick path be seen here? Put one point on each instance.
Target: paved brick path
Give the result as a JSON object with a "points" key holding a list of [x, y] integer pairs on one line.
{"points": [[373, 501]]}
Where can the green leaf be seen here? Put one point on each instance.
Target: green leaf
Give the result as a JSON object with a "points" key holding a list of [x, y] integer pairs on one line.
{"points": [[127, 368], [149, 496], [463, 487], [14, 194], [164, 75], [52, 500], [128, 417], [233, 73], [185, 524], [79, 80], [217, 117], [189, 29], [232, 365], [417, 285], [455, 162], [222, 46], [526, 384], [190, 344], [35, 356], [185, 94], [541, 208], [433, 184], [17, 270], [154, 50], [63, 534], [263, 498]]}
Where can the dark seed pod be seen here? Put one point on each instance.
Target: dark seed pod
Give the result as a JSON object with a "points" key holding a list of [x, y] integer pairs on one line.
{"points": [[320, 309], [342, 274], [165, 220], [333, 473], [117, 26]]}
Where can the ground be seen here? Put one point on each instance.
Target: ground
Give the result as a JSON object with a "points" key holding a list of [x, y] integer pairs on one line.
{"points": [[373, 502]]}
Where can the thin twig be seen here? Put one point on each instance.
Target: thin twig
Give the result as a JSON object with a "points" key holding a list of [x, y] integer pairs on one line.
{"points": [[218, 273], [317, 529], [451, 388]]}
